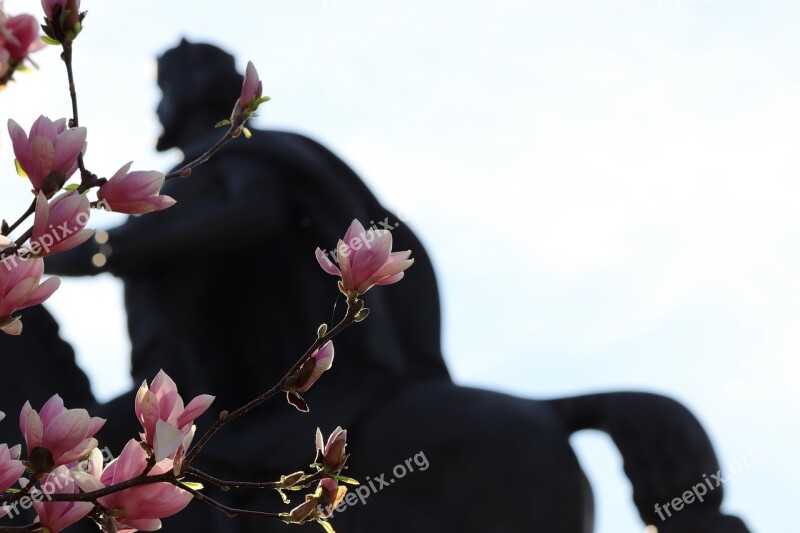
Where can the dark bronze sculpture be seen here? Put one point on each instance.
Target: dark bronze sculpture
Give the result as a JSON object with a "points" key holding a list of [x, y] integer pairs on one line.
{"points": [[223, 292]]}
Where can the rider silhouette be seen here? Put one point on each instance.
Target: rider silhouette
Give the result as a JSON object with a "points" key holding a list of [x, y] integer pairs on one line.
{"points": [[223, 292]]}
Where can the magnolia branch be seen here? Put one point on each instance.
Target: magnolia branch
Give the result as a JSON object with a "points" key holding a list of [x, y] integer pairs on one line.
{"points": [[186, 170], [354, 306]]}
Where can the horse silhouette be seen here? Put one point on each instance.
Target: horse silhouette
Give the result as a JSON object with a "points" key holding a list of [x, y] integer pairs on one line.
{"points": [[222, 291]]}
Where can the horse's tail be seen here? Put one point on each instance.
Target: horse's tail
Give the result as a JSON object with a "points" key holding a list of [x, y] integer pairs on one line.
{"points": [[667, 456]]}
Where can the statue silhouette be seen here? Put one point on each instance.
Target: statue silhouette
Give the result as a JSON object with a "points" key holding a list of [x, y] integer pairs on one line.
{"points": [[223, 292]]}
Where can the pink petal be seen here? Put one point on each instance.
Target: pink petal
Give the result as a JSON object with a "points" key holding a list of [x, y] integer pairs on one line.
{"points": [[95, 423], [19, 141], [66, 431], [130, 463], [167, 440], [140, 524], [323, 359], [41, 217], [318, 442], [42, 154], [371, 259], [74, 240], [354, 230], [343, 255], [196, 407], [44, 127], [326, 264], [68, 145], [166, 391], [15, 298], [391, 279], [67, 206], [22, 269], [15, 451], [148, 412], [140, 207], [53, 407], [396, 264], [31, 426], [10, 472], [250, 85], [43, 292], [119, 174], [87, 482], [77, 452]]}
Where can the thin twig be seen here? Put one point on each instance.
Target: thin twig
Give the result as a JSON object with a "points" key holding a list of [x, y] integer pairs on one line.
{"points": [[230, 511], [186, 170], [21, 219], [225, 485]]}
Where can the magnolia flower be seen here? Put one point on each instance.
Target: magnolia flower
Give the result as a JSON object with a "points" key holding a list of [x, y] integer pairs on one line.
{"points": [[318, 506], [59, 225], [331, 454], [251, 87], [139, 507], [320, 361], [365, 260], [57, 436], [57, 516], [19, 36], [63, 19], [166, 422], [250, 97], [20, 287], [11, 468], [135, 192], [50, 6], [49, 153]]}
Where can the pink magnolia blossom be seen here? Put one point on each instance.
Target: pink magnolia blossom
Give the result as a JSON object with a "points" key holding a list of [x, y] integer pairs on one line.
{"points": [[319, 505], [302, 380], [20, 287], [57, 516], [250, 97], [365, 260], [251, 87], [49, 153], [135, 192], [331, 454], [60, 225], [19, 35], [319, 362], [49, 6], [140, 507], [166, 422], [63, 18], [67, 434], [11, 468]]}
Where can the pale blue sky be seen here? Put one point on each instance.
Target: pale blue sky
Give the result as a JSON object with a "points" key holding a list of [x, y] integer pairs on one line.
{"points": [[608, 189]]}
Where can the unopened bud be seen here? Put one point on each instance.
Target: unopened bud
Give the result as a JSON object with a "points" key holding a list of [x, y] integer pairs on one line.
{"points": [[291, 480]]}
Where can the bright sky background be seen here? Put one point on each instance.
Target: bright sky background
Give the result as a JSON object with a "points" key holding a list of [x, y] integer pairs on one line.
{"points": [[608, 189]]}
